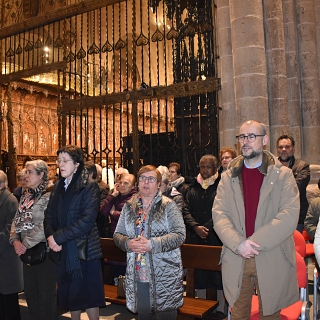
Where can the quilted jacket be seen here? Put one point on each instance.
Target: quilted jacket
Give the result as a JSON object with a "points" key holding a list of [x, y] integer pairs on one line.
{"points": [[166, 230]]}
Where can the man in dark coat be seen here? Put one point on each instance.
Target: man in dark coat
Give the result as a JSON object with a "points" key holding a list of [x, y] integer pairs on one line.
{"points": [[11, 278], [300, 170]]}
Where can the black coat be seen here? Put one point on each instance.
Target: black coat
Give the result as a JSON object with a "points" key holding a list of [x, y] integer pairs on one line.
{"points": [[84, 206], [199, 203], [11, 278]]}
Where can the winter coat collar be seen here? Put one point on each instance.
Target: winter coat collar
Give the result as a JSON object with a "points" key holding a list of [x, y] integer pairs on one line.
{"points": [[268, 159]]}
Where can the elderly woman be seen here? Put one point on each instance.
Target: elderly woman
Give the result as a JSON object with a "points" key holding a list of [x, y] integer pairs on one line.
{"points": [[151, 230], [226, 155], [26, 232], [71, 231], [199, 200], [176, 179]]}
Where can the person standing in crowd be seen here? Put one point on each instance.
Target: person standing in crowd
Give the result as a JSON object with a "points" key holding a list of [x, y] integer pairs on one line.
{"points": [[171, 192], [151, 230], [71, 232], [313, 214], [255, 213], [301, 173], [123, 191], [18, 191], [11, 277], [26, 232], [102, 221], [175, 178], [226, 155], [199, 199]]}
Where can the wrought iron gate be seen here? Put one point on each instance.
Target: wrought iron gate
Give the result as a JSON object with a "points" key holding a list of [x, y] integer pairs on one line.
{"points": [[136, 79]]}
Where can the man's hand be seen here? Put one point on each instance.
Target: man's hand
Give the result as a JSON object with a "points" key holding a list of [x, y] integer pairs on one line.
{"points": [[201, 231], [246, 249]]}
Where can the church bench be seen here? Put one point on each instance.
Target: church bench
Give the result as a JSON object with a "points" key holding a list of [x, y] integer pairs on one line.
{"points": [[193, 257]]}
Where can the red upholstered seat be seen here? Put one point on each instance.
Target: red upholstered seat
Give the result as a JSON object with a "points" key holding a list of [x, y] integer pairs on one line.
{"points": [[293, 311]]}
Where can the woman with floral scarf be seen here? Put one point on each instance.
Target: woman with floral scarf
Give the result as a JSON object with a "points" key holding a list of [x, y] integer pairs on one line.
{"points": [[26, 232]]}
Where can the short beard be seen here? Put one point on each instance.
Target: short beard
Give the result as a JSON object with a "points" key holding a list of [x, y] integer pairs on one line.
{"points": [[286, 160], [252, 155]]}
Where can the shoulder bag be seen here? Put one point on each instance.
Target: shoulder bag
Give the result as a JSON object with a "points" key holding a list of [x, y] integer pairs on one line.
{"points": [[35, 255]]}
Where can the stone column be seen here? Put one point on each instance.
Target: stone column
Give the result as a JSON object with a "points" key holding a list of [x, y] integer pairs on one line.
{"points": [[276, 65], [249, 61], [309, 80], [294, 113], [227, 108]]}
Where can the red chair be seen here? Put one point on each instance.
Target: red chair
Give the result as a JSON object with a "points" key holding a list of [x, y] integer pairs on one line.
{"points": [[299, 309], [309, 246], [300, 243]]}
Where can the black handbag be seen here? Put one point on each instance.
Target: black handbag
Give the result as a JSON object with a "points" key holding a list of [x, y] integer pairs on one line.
{"points": [[121, 290], [82, 245], [35, 255]]}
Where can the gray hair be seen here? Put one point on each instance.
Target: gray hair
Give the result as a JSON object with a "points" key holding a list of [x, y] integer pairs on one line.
{"points": [[39, 166], [4, 178], [211, 158], [164, 173], [21, 173]]}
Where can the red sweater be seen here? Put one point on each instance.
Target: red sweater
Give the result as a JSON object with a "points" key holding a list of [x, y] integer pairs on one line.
{"points": [[251, 182]]}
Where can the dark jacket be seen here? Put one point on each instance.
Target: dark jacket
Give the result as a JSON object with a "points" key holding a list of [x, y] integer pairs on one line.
{"points": [[11, 278], [118, 203], [199, 203], [301, 173], [84, 206]]}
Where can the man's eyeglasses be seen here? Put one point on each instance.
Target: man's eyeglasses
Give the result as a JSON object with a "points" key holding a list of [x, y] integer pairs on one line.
{"points": [[250, 137], [59, 161], [149, 179]]}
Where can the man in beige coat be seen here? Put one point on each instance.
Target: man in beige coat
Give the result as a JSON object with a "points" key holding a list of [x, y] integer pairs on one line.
{"points": [[255, 213]]}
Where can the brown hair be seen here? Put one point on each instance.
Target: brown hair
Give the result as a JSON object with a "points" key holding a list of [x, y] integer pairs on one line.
{"points": [[176, 165], [148, 168], [230, 150]]}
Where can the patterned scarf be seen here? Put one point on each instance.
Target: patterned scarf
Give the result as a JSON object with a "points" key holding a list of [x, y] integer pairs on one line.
{"points": [[140, 226], [23, 218], [208, 182]]}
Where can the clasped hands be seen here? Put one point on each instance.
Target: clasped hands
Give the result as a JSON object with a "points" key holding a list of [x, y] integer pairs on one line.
{"points": [[247, 249], [139, 245], [53, 245]]}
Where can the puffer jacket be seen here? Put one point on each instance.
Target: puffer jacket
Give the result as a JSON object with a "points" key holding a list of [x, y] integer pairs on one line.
{"points": [[85, 203], [31, 237], [166, 231]]}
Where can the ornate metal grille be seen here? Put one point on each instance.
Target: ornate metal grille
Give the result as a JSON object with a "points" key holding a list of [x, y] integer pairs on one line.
{"points": [[136, 79]]}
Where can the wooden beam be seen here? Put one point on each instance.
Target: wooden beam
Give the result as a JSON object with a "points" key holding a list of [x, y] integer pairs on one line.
{"points": [[26, 73], [57, 15], [161, 92]]}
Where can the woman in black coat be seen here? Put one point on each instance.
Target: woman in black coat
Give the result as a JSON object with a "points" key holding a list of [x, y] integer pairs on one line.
{"points": [[72, 234], [199, 200]]}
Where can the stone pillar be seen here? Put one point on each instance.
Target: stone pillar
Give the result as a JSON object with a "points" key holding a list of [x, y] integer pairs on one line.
{"points": [[309, 80], [249, 61], [227, 109], [294, 113], [276, 65]]}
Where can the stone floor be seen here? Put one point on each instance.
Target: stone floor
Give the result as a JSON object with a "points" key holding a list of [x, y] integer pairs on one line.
{"points": [[121, 313]]}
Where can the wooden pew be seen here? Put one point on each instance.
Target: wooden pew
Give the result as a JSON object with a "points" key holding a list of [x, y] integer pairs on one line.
{"points": [[193, 257]]}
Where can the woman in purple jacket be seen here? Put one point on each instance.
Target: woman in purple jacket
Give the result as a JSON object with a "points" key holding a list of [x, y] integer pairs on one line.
{"points": [[124, 189]]}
